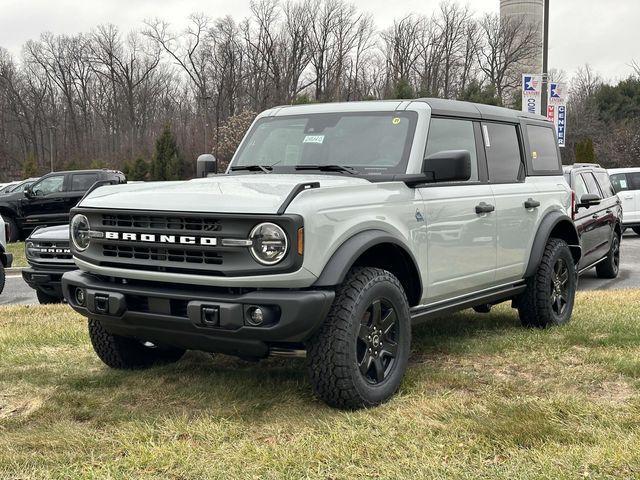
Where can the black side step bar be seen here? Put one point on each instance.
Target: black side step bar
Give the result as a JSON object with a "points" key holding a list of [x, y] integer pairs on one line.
{"points": [[299, 188], [422, 314]]}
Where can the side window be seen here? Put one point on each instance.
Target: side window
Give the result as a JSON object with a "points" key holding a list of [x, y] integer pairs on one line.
{"points": [[619, 182], [504, 159], [447, 134], [633, 179], [544, 152], [605, 184], [579, 187], [592, 185], [49, 185], [81, 182]]}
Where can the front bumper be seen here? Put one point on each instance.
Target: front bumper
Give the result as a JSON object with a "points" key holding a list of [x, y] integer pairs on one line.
{"points": [[47, 279], [181, 316]]}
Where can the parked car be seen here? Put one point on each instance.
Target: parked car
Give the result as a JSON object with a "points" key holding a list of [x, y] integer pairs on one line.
{"points": [[626, 183], [21, 186], [48, 200], [6, 258], [317, 239], [598, 215], [7, 186], [49, 256]]}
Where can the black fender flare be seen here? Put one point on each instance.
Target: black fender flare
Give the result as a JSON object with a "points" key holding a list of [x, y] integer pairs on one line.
{"points": [[547, 225], [346, 255]]}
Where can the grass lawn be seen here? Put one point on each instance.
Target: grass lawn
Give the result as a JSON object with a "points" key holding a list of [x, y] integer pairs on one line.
{"points": [[483, 398], [17, 249]]}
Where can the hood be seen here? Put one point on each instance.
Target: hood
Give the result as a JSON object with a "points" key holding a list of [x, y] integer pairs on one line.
{"points": [[253, 193], [58, 233]]}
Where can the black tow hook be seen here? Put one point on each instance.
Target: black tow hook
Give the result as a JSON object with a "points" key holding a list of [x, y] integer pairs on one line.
{"points": [[101, 303]]}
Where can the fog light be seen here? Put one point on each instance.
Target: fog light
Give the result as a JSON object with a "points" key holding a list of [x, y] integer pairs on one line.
{"points": [[256, 316], [81, 296]]}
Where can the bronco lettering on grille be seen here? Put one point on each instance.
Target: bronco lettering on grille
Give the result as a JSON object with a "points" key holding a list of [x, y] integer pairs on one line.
{"points": [[153, 238]]}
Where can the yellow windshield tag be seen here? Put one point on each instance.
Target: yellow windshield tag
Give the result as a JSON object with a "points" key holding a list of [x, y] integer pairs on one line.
{"points": [[396, 121]]}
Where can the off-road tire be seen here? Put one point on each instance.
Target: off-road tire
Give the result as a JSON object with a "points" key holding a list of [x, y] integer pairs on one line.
{"points": [[636, 230], [46, 299], [484, 308], [332, 353], [2, 277], [610, 266], [14, 231], [535, 303], [128, 353]]}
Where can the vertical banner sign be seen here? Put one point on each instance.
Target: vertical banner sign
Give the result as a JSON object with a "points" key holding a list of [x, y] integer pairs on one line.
{"points": [[532, 93], [557, 110]]}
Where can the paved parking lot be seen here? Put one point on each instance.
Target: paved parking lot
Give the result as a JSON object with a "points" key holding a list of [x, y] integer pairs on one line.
{"points": [[17, 292]]}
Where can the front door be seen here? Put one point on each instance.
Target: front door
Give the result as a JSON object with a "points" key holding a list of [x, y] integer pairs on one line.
{"points": [[47, 203], [461, 228], [591, 227]]}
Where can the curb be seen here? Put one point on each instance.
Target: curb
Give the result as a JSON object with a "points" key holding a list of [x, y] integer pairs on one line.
{"points": [[14, 270]]}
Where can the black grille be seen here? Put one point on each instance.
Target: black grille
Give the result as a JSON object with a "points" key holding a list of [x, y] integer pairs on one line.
{"points": [[162, 254], [56, 251], [162, 222]]}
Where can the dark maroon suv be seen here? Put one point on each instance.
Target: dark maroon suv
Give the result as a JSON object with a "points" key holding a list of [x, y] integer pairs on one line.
{"points": [[597, 213]]}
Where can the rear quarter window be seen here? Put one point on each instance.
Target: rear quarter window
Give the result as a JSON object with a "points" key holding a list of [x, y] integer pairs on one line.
{"points": [[544, 149]]}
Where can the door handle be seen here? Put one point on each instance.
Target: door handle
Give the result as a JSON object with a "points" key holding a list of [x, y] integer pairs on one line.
{"points": [[630, 197], [608, 211], [531, 203], [594, 216], [484, 208]]}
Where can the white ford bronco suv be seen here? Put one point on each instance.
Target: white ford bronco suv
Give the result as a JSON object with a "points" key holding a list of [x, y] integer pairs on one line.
{"points": [[334, 230]]}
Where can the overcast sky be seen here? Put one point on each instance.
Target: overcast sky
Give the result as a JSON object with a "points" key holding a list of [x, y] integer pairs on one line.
{"points": [[605, 34]]}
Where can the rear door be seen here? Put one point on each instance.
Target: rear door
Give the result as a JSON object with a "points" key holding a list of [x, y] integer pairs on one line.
{"points": [[78, 185], [517, 202], [461, 246], [600, 230]]}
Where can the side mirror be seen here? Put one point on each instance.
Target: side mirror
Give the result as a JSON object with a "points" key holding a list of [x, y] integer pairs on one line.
{"points": [[28, 192], [448, 166], [589, 200], [206, 165]]}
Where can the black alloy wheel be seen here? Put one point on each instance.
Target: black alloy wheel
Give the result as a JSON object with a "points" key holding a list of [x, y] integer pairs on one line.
{"points": [[559, 287], [377, 342]]}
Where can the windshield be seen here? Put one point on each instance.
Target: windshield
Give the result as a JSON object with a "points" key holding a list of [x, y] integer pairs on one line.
{"points": [[368, 142]]}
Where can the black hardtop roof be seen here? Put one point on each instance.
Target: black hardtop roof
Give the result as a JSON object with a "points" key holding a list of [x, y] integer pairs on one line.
{"points": [[457, 108]]}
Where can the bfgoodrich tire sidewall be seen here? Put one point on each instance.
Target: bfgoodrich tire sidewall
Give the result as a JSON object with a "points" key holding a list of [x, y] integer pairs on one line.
{"points": [[376, 394]]}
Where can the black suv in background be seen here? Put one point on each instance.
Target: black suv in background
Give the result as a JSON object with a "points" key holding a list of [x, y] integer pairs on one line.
{"points": [[597, 213], [48, 201]]}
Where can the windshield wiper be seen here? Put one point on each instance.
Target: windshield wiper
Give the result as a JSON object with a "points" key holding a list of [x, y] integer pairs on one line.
{"points": [[253, 168], [328, 168]]}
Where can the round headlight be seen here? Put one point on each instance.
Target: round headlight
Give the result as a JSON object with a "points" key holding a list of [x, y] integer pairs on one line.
{"points": [[80, 232], [269, 243]]}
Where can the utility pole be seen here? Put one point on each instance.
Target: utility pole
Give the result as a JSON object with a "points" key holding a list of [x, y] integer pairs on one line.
{"points": [[545, 59], [205, 125], [51, 129]]}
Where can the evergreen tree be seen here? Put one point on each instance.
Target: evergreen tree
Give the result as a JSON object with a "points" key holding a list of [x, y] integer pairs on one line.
{"points": [[167, 163], [402, 90], [29, 167], [585, 152], [477, 93], [139, 170]]}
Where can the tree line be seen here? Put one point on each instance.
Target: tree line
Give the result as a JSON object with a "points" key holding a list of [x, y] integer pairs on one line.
{"points": [[105, 97]]}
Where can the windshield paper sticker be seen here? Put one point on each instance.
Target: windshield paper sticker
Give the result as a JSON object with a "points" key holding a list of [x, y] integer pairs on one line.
{"points": [[314, 139]]}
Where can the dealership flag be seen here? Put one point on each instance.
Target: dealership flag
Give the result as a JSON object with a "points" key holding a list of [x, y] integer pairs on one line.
{"points": [[557, 109], [531, 93]]}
